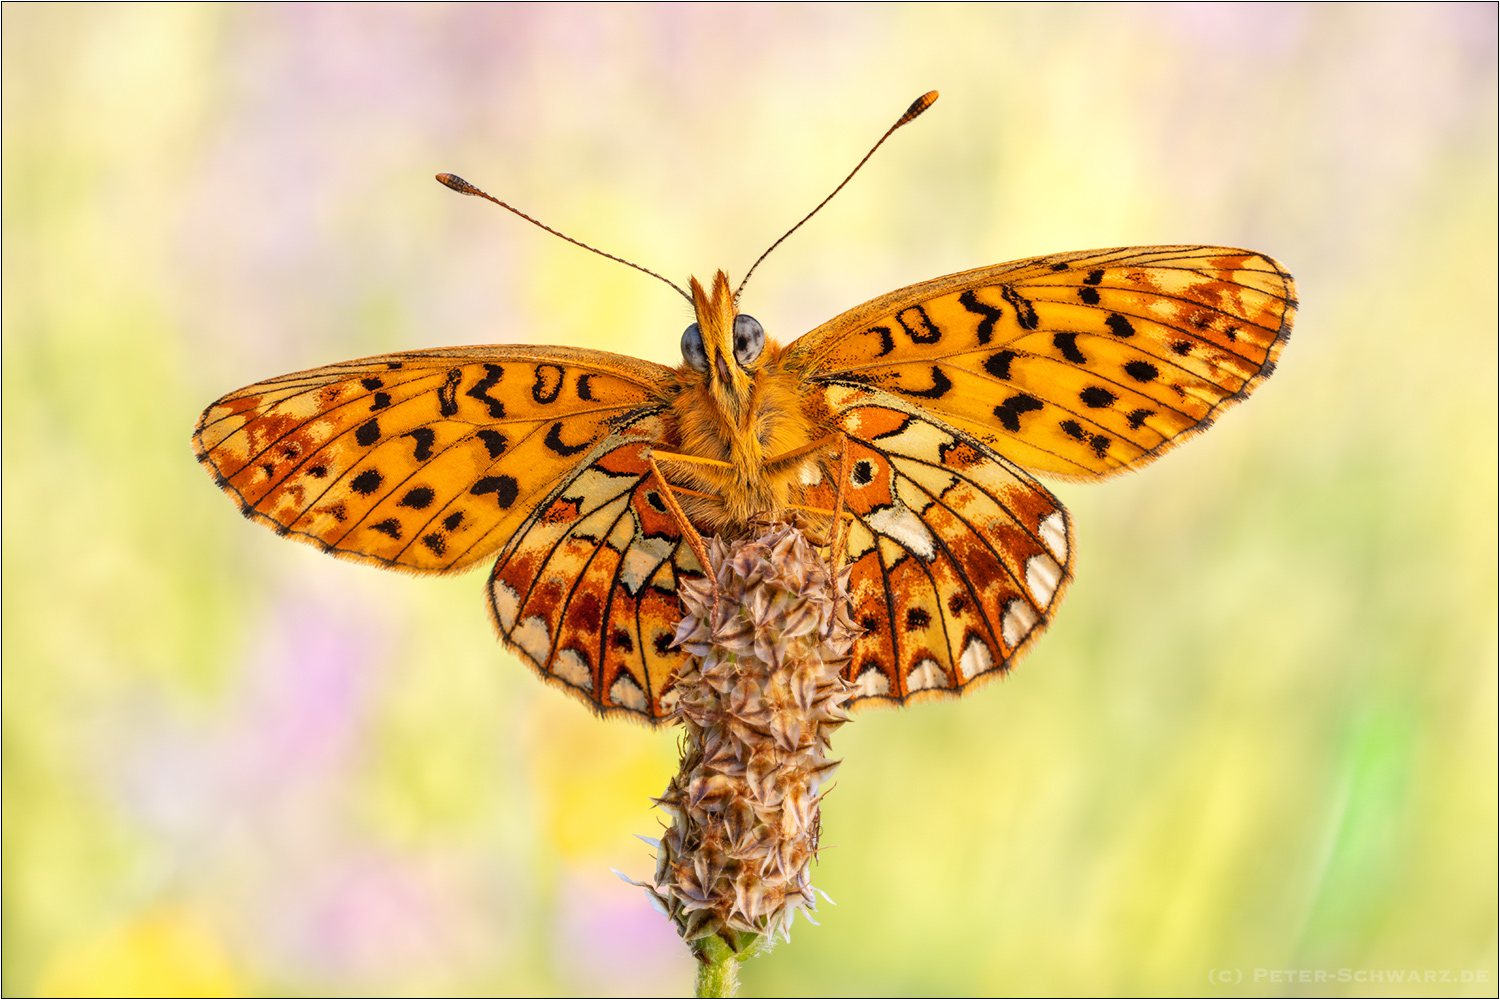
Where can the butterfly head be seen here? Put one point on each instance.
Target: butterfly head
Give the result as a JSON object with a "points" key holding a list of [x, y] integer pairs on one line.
{"points": [[723, 346]]}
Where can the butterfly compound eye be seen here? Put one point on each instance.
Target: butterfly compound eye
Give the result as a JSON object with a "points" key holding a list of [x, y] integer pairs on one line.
{"points": [[692, 349], [749, 339]]}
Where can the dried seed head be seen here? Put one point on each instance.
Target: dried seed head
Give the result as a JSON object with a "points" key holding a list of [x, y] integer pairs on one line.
{"points": [[758, 700]]}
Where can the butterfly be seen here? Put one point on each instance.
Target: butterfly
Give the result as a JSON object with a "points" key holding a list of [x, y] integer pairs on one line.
{"points": [[919, 417]]}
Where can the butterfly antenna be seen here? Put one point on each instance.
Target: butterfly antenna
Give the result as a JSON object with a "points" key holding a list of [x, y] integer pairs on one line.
{"points": [[462, 186], [918, 106]]}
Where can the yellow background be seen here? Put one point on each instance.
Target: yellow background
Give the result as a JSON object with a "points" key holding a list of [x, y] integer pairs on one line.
{"points": [[1260, 736]]}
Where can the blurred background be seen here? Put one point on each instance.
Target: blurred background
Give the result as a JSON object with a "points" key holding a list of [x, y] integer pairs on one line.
{"points": [[1260, 736]]}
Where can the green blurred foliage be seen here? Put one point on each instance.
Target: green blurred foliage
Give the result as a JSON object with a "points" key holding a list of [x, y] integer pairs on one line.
{"points": [[1261, 735]]}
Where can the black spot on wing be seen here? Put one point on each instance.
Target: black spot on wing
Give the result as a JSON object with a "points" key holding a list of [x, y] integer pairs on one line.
{"points": [[367, 482], [940, 386], [1009, 412], [505, 489], [424, 438], [584, 392], [1025, 311], [1138, 417], [990, 315], [554, 441], [448, 392], [380, 402], [548, 383], [998, 364], [453, 520], [372, 383], [367, 433], [1097, 397], [1141, 371], [1067, 343], [419, 498], [390, 526], [1090, 296], [917, 619], [1119, 325], [916, 324], [1182, 347], [481, 391], [887, 342], [494, 442]]}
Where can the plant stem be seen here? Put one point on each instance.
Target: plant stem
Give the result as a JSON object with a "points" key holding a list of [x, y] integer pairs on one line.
{"points": [[718, 970]]}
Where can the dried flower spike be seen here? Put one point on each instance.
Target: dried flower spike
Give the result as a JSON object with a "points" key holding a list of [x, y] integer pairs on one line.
{"points": [[758, 700]]}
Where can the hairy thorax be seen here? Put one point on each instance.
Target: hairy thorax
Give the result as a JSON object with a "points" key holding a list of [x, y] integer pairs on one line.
{"points": [[751, 434]]}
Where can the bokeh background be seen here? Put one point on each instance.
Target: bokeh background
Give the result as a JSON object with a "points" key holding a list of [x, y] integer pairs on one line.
{"points": [[1260, 736]]}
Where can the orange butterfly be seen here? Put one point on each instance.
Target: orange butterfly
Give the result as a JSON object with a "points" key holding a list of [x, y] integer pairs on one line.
{"points": [[919, 413]]}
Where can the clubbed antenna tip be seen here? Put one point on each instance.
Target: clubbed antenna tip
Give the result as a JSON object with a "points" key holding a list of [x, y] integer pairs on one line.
{"points": [[918, 106], [462, 186]]}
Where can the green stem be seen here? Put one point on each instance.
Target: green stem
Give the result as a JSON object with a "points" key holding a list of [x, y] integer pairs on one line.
{"points": [[718, 969]]}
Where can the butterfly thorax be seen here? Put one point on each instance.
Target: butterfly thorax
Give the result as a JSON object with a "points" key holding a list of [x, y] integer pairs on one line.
{"points": [[744, 415]]}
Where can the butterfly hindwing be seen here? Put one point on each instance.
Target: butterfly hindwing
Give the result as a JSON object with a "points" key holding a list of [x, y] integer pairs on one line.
{"points": [[427, 460], [958, 556], [586, 591], [1076, 364]]}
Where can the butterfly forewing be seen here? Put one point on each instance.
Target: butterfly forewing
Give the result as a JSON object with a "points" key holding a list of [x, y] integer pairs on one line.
{"points": [[958, 557], [427, 460], [587, 589], [1074, 364]]}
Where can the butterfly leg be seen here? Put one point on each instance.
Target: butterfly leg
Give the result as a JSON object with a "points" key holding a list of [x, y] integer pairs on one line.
{"points": [[839, 515], [694, 540], [820, 444], [672, 456], [840, 533]]}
